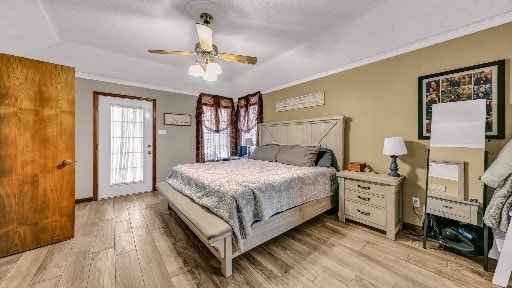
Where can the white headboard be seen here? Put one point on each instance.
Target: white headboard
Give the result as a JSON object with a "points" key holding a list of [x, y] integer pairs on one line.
{"points": [[325, 132]]}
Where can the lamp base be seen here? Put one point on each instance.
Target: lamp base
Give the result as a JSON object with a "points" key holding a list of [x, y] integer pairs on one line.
{"points": [[393, 167]]}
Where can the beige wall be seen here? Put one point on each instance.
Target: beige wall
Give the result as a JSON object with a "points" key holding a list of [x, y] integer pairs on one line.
{"points": [[177, 147], [380, 100]]}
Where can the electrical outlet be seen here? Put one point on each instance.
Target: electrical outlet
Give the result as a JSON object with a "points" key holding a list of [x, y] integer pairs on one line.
{"points": [[416, 202]]}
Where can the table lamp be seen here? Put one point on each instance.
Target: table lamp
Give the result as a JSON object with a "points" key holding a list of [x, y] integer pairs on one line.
{"points": [[394, 146], [248, 142]]}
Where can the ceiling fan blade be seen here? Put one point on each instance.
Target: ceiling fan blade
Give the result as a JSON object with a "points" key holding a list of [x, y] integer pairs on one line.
{"points": [[238, 58], [205, 35], [172, 52]]}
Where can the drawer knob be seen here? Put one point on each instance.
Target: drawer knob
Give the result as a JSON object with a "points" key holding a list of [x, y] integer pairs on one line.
{"points": [[363, 187], [447, 207], [364, 213], [363, 198]]}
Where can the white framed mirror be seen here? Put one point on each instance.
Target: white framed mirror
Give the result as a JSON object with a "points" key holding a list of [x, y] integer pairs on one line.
{"points": [[446, 180]]}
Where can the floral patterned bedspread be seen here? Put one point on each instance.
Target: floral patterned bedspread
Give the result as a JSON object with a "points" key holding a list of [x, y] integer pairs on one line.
{"points": [[245, 191]]}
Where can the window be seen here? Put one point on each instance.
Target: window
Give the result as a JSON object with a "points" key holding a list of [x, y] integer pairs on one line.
{"points": [[216, 143], [215, 133], [249, 114], [126, 144]]}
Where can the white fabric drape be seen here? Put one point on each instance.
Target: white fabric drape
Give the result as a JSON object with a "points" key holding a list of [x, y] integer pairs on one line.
{"points": [[216, 144], [127, 144], [249, 114], [215, 128]]}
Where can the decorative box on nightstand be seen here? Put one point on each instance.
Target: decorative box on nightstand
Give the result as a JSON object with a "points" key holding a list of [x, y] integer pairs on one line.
{"points": [[371, 199]]}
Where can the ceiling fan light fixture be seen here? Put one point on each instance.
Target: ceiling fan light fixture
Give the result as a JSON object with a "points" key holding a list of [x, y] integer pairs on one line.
{"points": [[213, 68], [196, 70], [204, 33], [207, 52], [210, 77]]}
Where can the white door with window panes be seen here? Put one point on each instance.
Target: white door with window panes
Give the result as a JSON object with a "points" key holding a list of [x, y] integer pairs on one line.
{"points": [[125, 139]]}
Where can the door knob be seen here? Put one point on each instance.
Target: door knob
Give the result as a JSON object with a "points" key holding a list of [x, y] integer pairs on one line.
{"points": [[66, 162]]}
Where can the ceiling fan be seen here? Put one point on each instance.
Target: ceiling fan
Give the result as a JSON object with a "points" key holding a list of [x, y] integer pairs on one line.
{"points": [[205, 66]]}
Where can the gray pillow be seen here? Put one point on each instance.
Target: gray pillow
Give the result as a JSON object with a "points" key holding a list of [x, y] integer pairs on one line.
{"points": [[265, 152], [298, 155], [324, 158]]}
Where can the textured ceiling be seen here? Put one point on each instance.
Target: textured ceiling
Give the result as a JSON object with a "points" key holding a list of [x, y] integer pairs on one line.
{"points": [[294, 40]]}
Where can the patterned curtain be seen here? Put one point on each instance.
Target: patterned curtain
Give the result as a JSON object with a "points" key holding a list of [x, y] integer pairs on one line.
{"points": [[249, 114], [215, 131]]}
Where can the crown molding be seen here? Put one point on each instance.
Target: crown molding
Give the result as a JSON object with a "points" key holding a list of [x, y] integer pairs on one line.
{"points": [[133, 83], [452, 34]]}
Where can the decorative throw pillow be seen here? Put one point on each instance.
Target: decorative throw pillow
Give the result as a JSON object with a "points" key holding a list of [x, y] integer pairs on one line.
{"points": [[298, 155], [266, 152], [324, 158]]}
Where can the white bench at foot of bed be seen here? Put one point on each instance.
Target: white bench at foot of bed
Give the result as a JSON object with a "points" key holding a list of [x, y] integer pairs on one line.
{"points": [[217, 235], [214, 232]]}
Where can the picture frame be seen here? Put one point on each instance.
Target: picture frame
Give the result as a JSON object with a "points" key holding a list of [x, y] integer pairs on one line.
{"points": [[446, 180], [483, 81], [177, 119]]}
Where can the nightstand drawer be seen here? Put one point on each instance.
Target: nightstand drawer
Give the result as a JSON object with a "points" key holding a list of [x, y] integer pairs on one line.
{"points": [[368, 213], [372, 199], [447, 206], [366, 198], [365, 187], [460, 211]]}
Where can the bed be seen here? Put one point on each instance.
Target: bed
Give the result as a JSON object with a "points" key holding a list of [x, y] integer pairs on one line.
{"points": [[219, 236]]}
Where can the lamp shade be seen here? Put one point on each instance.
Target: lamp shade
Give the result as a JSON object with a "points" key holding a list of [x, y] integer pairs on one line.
{"points": [[248, 142], [209, 77], [394, 146], [196, 70], [213, 68]]}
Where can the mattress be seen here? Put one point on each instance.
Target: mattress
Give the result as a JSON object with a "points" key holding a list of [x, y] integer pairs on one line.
{"points": [[243, 192]]}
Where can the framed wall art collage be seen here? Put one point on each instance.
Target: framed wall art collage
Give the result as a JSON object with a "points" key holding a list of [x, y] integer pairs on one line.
{"points": [[483, 81]]}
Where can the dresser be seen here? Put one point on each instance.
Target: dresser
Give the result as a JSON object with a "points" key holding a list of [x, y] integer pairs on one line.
{"points": [[371, 199]]}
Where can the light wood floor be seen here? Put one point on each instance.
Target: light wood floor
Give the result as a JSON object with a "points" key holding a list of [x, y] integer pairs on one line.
{"points": [[134, 241]]}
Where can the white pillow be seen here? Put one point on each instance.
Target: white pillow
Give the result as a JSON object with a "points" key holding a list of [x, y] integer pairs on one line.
{"points": [[500, 168]]}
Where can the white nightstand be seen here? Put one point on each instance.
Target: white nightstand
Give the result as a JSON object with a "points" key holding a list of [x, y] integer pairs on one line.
{"points": [[371, 199]]}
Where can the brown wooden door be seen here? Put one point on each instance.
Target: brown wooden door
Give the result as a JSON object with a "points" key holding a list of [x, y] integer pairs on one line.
{"points": [[37, 123]]}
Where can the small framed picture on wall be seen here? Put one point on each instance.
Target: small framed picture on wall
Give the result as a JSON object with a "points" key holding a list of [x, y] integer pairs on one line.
{"points": [[177, 119], [483, 81]]}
